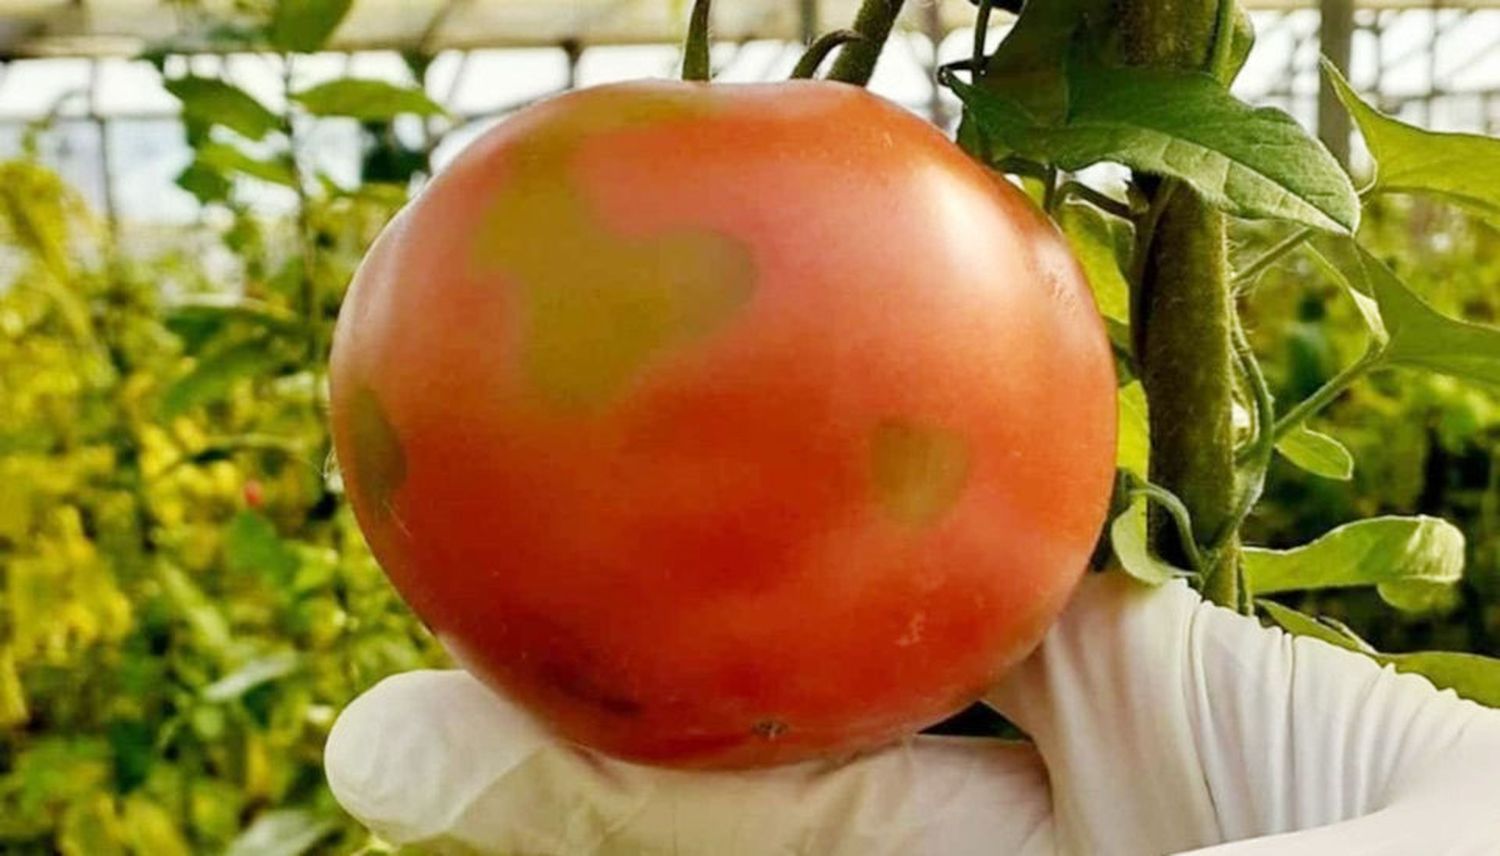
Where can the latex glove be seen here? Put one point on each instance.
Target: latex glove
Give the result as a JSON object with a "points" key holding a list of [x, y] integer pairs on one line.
{"points": [[1161, 724]]}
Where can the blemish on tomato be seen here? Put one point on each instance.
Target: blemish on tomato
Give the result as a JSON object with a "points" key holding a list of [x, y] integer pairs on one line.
{"points": [[597, 307], [379, 458], [913, 633], [769, 729], [918, 469]]}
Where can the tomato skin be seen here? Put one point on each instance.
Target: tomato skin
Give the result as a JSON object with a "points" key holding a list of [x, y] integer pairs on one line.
{"points": [[726, 426]]}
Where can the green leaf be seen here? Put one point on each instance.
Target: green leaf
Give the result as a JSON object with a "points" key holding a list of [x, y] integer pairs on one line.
{"points": [[1317, 453], [1253, 163], [1302, 624], [1464, 168], [1128, 536], [251, 543], [1339, 258], [367, 100], [207, 623], [206, 184], [204, 315], [1028, 67], [224, 158], [1422, 337], [1412, 333], [1409, 551], [213, 101], [1471, 676], [304, 26], [213, 377], [282, 832], [259, 671], [13, 709], [1092, 237], [1133, 439]]}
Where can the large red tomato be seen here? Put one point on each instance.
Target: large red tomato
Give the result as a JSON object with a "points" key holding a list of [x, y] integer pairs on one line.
{"points": [[726, 425]]}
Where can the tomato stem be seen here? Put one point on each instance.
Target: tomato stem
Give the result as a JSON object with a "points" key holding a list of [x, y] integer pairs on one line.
{"points": [[856, 62], [1182, 313], [1325, 394], [819, 50], [1245, 278], [695, 62], [982, 31]]}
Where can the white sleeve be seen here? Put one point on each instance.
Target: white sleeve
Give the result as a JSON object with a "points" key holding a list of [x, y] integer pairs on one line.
{"points": [[433, 759], [1168, 724]]}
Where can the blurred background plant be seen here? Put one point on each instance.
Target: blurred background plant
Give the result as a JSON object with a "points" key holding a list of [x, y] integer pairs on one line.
{"points": [[185, 600]]}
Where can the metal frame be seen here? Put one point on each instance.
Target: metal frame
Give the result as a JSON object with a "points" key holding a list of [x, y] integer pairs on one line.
{"points": [[933, 26]]}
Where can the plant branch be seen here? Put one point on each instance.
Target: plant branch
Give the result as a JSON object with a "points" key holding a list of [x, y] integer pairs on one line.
{"points": [[856, 62], [1325, 394], [1103, 202], [1255, 458], [1264, 439], [1145, 232], [812, 59], [1169, 502], [1271, 256], [695, 61], [1181, 307], [982, 31]]}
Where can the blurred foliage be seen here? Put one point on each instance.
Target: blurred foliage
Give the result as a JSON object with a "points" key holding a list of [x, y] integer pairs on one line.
{"points": [[1422, 443], [185, 599]]}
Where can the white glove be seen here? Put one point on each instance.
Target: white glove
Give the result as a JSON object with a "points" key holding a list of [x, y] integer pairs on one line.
{"points": [[1162, 724]]}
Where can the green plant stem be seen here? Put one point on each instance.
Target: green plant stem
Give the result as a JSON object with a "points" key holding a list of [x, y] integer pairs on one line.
{"points": [[856, 62], [812, 59], [1325, 394], [1107, 204], [1271, 256], [695, 62], [1255, 459], [1182, 309], [1180, 517], [1050, 198], [982, 31]]}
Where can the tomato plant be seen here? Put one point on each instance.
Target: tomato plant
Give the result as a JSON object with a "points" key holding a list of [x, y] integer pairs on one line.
{"points": [[668, 437]]}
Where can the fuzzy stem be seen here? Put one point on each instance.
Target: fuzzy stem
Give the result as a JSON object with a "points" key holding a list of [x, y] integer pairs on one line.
{"points": [[856, 62], [1183, 325]]}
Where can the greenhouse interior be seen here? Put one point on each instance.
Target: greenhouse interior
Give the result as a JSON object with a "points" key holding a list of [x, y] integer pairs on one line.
{"points": [[189, 598]]}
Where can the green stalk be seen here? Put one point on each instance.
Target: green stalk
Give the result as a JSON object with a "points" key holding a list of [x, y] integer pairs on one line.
{"points": [[695, 63], [1183, 311], [1244, 278], [812, 59], [1325, 394], [856, 62]]}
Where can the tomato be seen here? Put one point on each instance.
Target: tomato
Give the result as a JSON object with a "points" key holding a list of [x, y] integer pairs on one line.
{"points": [[726, 425]]}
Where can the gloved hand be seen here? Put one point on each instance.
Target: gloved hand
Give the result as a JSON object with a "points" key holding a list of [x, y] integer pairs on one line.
{"points": [[1161, 724]]}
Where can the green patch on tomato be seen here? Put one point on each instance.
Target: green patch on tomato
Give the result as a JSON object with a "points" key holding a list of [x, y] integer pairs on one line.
{"points": [[597, 307], [379, 458], [918, 469]]}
